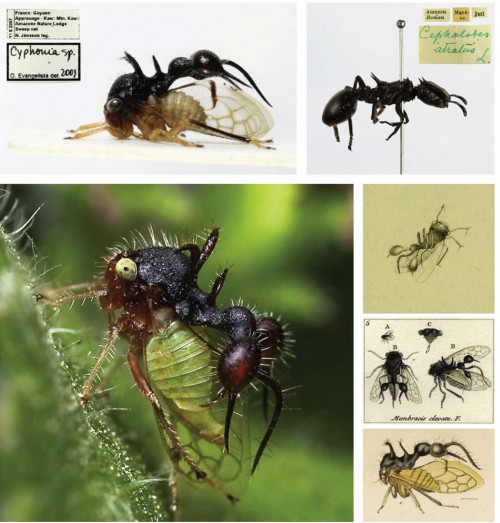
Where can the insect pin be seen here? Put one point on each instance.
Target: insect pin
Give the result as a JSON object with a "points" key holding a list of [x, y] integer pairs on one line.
{"points": [[342, 106], [149, 108], [453, 371], [394, 376], [152, 287], [421, 258]]}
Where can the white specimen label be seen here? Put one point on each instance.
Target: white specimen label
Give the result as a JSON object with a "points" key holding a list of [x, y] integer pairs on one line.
{"points": [[53, 24]]}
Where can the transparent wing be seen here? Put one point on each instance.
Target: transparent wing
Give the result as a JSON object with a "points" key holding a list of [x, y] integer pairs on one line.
{"points": [[375, 391], [426, 259], [409, 378], [476, 351], [180, 365], [456, 378], [229, 109]]}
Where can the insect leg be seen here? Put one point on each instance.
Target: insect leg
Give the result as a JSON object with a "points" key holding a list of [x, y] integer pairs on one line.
{"points": [[444, 254], [216, 287], [434, 388], [157, 135], [375, 369], [278, 395], [396, 125], [384, 501], [90, 290], [150, 395], [336, 132], [194, 125], [442, 392], [80, 133], [451, 391], [114, 332], [434, 500], [377, 109], [416, 500], [351, 135]]}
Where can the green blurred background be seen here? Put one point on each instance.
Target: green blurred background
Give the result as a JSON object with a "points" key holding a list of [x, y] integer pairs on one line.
{"points": [[289, 250]]}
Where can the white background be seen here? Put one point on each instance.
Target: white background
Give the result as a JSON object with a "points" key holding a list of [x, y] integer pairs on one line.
{"points": [[260, 38], [346, 40]]}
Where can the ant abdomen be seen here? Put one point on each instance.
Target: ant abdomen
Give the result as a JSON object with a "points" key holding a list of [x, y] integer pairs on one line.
{"points": [[239, 364], [271, 337]]}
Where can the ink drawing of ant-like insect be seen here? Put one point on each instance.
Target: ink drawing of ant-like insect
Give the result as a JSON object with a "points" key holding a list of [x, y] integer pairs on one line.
{"points": [[452, 371], [439, 476], [421, 258], [394, 376]]}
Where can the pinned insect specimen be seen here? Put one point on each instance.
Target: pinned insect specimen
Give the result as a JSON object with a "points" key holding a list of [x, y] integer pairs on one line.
{"points": [[148, 108], [453, 371], [387, 337], [442, 476], [430, 335], [421, 258], [342, 106], [163, 313], [394, 376]]}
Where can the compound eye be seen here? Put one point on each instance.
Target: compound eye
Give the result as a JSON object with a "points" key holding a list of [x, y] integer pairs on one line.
{"points": [[126, 269], [114, 105]]}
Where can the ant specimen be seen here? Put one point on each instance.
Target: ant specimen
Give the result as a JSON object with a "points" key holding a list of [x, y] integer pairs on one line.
{"points": [[163, 310], [394, 375], [454, 372], [444, 477], [342, 106], [162, 113], [425, 255]]}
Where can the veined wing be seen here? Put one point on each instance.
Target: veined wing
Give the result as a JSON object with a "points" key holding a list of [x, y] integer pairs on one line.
{"points": [[413, 390], [476, 351], [180, 367], [230, 109], [452, 476], [376, 390]]}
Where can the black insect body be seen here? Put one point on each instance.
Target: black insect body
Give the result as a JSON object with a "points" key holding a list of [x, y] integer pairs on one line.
{"points": [[162, 113], [457, 371], [421, 258], [439, 476], [396, 377], [155, 286], [387, 337], [430, 335], [342, 106]]}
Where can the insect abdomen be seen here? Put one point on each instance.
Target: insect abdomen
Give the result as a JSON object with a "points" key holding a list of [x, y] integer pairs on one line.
{"points": [[178, 364], [177, 106]]}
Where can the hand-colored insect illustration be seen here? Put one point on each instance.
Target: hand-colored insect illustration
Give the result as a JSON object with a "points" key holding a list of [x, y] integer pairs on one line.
{"points": [[453, 371], [387, 337], [163, 313], [439, 476], [342, 106], [430, 335], [421, 258], [162, 113], [394, 375]]}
